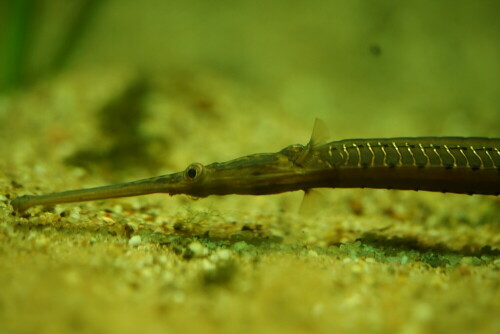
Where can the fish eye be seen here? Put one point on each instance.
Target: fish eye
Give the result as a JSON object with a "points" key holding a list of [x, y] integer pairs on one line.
{"points": [[194, 171]]}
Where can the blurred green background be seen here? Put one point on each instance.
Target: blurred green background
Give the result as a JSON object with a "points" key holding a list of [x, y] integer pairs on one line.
{"points": [[348, 57]]}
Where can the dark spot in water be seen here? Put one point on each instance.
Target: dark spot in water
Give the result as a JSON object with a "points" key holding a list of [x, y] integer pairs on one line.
{"points": [[122, 144], [375, 50], [15, 184]]}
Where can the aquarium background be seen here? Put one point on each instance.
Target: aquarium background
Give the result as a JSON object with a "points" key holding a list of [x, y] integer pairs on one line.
{"points": [[388, 62]]}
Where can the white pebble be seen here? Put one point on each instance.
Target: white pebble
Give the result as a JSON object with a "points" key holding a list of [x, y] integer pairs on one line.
{"points": [[198, 249], [118, 209], [135, 240], [223, 254], [312, 253], [75, 213]]}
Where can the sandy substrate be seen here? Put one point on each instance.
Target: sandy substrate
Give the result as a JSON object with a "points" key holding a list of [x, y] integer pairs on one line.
{"points": [[357, 260]]}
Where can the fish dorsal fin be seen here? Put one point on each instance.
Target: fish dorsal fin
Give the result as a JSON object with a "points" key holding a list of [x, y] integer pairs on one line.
{"points": [[320, 134], [319, 137]]}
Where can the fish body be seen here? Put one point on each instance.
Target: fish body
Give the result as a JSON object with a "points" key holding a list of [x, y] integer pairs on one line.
{"points": [[444, 164]]}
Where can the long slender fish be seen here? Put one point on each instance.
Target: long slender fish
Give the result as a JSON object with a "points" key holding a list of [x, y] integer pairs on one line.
{"points": [[442, 164]]}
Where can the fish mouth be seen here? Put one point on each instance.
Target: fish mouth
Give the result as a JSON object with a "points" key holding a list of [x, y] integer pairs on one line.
{"points": [[255, 174]]}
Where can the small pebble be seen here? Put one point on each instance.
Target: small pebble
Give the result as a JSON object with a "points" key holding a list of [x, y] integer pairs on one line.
{"points": [[198, 249], [221, 254], [75, 213], [118, 209], [135, 241], [108, 220], [312, 253]]}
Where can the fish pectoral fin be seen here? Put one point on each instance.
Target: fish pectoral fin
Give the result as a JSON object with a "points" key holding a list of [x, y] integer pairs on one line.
{"points": [[312, 202]]}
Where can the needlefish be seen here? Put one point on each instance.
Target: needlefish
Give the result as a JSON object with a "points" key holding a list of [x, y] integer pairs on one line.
{"points": [[442, 164]]}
